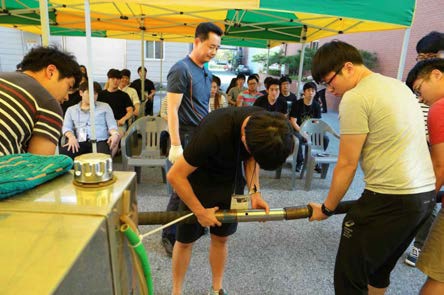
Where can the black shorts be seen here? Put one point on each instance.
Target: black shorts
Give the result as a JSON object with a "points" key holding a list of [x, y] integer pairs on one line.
{"points": [[191, 232], [375, 233]]}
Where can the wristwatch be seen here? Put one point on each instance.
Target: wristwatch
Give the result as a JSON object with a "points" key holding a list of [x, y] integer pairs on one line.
{"points": [[326, 211]]}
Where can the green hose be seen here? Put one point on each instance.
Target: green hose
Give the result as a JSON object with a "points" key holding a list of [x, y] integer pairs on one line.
{"points": [[134, 240]]}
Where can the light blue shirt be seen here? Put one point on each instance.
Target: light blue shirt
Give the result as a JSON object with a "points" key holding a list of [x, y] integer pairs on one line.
{"points": [[76, 118]]}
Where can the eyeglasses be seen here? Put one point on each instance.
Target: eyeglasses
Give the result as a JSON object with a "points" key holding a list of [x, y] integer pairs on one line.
{"points": [[424, 56], [323, 83], [417, 90]]}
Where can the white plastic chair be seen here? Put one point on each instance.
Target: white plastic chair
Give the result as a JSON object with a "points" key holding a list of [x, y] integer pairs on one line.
{"points": [[314, 130], [293, 157], [149, 128]]}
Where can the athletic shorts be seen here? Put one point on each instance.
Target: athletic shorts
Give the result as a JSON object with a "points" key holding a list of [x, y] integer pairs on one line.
{"points": [[431, 259], [375, 233]]}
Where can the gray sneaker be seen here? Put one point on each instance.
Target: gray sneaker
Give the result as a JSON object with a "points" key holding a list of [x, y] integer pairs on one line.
{"points": [[168, 246], [220, 292], [412, 257]]}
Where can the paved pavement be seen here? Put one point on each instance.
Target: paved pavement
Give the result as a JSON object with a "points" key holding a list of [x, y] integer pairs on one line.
{"points": [[279, 257]]}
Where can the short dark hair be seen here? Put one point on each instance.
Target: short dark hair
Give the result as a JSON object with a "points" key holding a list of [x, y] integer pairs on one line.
{"points": [[431, 43], [422, 69], [40, 57], [126, 72], [203, 30], [217, 80], [269, 139], [114, 73], [96, 86], [309, 85], [267, 80], [331, 57], [139, 68], [284, 79], [253, 77], [271, 81], [240, 76], [86, 71]]}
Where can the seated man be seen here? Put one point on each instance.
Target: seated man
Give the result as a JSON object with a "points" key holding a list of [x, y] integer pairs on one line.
{"points": [[426, 79], [249, 96], [77, 126], [302, 110], [125, 87], [271, 101], [209, 172], [119, 101], [234, 92], [285, 93], [31, 117]]}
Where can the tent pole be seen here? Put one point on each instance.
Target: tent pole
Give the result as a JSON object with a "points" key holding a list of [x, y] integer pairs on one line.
{"points": [[142, 56], [44, 21], [301, 67], [405, 45], [268, 56], [90, 78], [161, 65]]}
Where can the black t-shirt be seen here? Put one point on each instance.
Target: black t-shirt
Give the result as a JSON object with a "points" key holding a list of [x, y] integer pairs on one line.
{"points": [[302, 112], [217, 150], [279, 106], [290, 98], [137, 84], [117, 100]]}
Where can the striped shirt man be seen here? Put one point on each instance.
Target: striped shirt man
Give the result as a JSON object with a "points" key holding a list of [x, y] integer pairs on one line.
{"points": [[26, 109]]}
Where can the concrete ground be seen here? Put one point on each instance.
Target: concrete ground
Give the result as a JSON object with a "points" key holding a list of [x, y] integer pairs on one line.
{"points": [[278, 257]]}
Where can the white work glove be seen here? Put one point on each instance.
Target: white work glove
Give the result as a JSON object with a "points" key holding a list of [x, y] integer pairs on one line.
{"points": [[175, 152]]}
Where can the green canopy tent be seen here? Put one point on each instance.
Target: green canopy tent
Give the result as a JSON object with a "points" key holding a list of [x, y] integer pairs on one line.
{"points": [[256, 23]]}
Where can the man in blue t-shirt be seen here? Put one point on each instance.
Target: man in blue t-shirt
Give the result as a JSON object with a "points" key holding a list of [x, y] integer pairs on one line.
{"points": [[188, 96]]}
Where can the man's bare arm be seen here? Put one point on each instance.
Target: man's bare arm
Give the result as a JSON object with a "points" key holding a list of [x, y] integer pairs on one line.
{"points": [[40, 145], [437, 153]]}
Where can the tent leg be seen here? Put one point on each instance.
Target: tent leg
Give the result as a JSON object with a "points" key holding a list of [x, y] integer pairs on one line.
{"points": [[405, 45]]}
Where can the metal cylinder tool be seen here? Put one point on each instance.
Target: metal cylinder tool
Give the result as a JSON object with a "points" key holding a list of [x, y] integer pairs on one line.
{"points": [[231, 216]]}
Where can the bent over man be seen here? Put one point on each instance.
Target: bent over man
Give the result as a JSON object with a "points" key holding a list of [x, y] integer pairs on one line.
{"points": [[209, 172]]}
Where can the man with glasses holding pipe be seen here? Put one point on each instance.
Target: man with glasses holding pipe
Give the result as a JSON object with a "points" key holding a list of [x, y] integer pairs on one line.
{"points": [[381, 127]]}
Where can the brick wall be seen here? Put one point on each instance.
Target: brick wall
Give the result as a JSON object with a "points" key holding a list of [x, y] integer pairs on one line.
{"points": [[388, 44]]}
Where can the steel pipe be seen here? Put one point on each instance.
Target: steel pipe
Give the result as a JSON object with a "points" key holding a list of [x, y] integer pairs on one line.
{"points": [[231, 216]]}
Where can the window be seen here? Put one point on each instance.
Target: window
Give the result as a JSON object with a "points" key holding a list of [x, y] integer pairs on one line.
{"points": [[314, 45], [154, 50]]}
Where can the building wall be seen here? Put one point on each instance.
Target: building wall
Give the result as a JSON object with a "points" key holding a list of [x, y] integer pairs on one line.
{"points": [[157, 70], [388, 44], [106, 53], [12, 51]]}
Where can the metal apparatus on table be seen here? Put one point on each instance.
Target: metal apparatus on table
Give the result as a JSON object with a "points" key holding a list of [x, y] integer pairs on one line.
{"points": [[63, 237]]}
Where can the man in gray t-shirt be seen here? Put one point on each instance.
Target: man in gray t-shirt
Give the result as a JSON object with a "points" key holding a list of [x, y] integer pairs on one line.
{"points": [[381, 127]]}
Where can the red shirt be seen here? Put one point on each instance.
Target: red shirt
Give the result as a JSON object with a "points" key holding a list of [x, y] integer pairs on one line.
{"points": [[435, 122]]}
